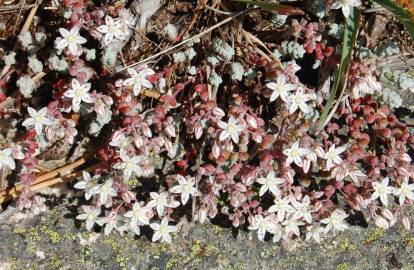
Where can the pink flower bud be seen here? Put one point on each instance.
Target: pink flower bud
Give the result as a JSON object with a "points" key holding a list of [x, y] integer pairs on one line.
{"points": [[257, 138], [381, 222], [387, 214], [168, 145], [202, 215], [306, 165], [251, 121], [216, 151], [219, 113], [406, 223], [235, 222], [198, 131], [147, 131], [170, 130], [405, 157]]}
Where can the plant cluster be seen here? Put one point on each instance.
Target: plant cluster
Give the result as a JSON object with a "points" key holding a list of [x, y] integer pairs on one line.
{"points": [[223, 128]]}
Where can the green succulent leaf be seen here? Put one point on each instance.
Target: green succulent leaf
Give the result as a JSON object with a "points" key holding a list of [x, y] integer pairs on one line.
{"points": [[350, 35]]}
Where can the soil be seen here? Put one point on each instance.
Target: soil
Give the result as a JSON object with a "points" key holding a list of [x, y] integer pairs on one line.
{"points": [[55, 240]]}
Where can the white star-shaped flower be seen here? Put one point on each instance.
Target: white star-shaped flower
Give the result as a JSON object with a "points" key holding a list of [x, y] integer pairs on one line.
{"points": [[271, 183], [263, 225], [185, 187], [162, 231], [37, 119], [79, 93], [120, 140], [298, 100], [314, 232], [70, 39], [292, 225], [129, 165], [89, 184], [336, 221], [106, 192], [332, 156], [90, 215], [230, 129], [160, 202], [346, 6], [303, 209], [113, 221], [139, 79], [113, 28], [406, 190], [282, 207], [6, 159], [295, 154], [138, 217], [280, 88], [382, 190]]}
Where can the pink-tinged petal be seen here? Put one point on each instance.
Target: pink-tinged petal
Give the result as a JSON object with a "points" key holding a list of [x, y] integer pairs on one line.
{"points": [[75, 84], [10, 163], [274, 96], [109, 20], [120, 35], [70, 93], [137, 89], [235, 137], [303, 107], [176, 189], [222, 125], [132, 72], [73, 48], [63, 43], [108, 38], [28, 122], [146, 83], [32, 112], [224, 135], [293, 108], [38, 128], [128, 82], [263, 190], [271, 86], [184, 198], [43, 111], [102, 29], [63, 32], [87, 98], [80, 40]]}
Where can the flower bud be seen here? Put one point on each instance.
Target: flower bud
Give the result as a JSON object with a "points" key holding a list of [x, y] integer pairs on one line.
{"points": [[251, 121], [198, 131], [381, 222], [406, 223], [387, 214]]}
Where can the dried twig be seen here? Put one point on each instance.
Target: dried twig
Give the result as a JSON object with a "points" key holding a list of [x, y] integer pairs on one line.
{"points": [[62, 174], [186, 40]]}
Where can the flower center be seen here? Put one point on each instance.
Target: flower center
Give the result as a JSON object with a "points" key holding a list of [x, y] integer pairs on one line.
{"points": [[111, 29], [78, 93], [71, 38], [38, 118], [294, 153], [163, 229], [263, 225], [231, 128]]}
